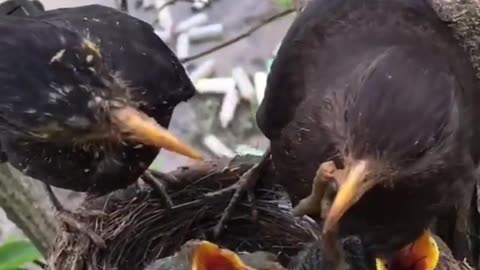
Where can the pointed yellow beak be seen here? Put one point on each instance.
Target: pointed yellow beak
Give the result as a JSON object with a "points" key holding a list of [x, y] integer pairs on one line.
{"points": [[350, 191], [208, 256], [146, 130]]}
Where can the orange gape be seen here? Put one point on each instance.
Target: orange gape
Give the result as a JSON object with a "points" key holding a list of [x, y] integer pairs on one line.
{"points": [[423, 254], [208, 256]]}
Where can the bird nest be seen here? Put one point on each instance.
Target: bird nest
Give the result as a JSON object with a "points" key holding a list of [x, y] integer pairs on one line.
{"points": [[138, 229]]}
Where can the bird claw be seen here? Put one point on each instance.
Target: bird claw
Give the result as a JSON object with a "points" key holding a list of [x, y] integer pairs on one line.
{"points": [[70, 219], [246, 183], [313, 203], [326, 171], [157, 181]]}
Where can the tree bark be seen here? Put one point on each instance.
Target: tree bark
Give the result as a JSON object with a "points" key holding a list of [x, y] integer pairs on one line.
{"points": [[300, 4], [21, 201]]}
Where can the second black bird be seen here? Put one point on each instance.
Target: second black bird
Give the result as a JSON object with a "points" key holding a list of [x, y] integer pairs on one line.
{"points": [[86, 95]]}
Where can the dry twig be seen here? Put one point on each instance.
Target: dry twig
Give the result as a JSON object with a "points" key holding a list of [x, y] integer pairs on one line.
{"points": [[245, 34], [171, 2]]}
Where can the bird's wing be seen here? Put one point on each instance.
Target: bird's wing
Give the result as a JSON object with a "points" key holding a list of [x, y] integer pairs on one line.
{"points": [[28, 89], [286, 86], [132, 49], [321, 42]]}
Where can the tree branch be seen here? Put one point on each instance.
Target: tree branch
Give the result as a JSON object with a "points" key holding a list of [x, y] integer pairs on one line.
{"points": [[245, 34], [300, 4], [124, 5], [171, 2], [23, 208]]}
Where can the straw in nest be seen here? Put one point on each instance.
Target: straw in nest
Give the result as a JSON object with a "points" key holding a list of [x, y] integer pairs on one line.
{"points": [[138, 230]]}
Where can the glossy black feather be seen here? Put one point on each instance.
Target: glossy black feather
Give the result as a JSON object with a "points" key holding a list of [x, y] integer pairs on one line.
{"points": [[378, 80], [135, 66]]}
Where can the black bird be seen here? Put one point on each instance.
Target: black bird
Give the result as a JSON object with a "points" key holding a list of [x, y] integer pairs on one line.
{"points": [[381, 92], [86, 96]]}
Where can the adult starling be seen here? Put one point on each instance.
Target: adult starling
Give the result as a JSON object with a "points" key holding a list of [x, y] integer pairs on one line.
{"points": [[382, 90], [86, 95], [88, 107]]}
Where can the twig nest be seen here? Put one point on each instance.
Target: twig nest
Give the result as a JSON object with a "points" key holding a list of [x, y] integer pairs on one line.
{"points": [[138, 230], [447, 261]]}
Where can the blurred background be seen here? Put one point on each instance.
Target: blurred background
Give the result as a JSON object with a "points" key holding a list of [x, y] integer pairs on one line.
{"points": [[220, 119]]}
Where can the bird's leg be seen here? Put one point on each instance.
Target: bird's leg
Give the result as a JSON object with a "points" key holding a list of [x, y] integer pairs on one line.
{"points": [[246, 183], [72, 221], [327, 200], [156, 180], [327, 173], [312, 205], [333, 250]]}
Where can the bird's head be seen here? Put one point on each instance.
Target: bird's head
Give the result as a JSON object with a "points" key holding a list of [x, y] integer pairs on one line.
{"points": [[398, 134], [111, 109], [208, 256], [204, 255], [401, 158], [64, 92]]}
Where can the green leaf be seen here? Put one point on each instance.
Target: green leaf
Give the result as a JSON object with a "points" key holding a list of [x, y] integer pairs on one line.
{"points": [[16, 254], [284, 3]]}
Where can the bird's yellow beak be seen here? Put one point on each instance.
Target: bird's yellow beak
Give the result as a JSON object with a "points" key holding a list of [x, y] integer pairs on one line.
{"points": [[208, 256], [350, 191], [145, 130], [422, 254]]}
